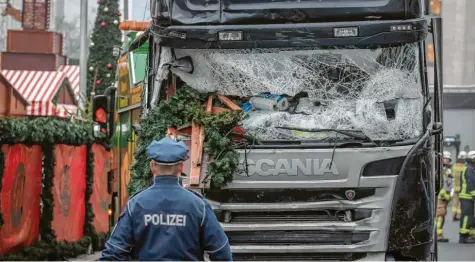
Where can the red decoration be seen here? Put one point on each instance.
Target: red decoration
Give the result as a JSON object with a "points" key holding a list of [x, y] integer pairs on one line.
{"points": [[98, 82], [119, 14], [109, 66], [98, 2], [103, 24]]}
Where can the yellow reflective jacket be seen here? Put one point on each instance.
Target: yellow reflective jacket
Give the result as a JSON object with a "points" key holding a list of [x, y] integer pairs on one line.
{"points": [[457, 169]]}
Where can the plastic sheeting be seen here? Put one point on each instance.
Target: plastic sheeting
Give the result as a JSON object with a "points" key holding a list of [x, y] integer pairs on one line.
{"points": [[20, 196], [378, 91], [69, 192], [100, 198]]}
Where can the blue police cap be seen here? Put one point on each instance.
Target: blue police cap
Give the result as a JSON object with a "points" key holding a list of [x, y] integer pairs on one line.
{"points": [[167, 151]]}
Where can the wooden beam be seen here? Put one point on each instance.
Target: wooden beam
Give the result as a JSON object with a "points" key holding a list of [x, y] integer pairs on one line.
{"points": [[229, 103]]}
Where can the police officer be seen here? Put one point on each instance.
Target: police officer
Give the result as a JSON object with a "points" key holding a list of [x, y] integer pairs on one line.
{"points": [[167, 221], [457, 169], [467, 195], [444, 197]]}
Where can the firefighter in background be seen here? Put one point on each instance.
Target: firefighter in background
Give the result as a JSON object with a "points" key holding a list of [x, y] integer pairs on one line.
{"points": [[467, 196], [457, 169], [444, 197]]}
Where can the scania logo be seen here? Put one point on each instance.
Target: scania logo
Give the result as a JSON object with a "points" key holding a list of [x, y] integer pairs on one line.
{"points": [[291, 167], [350, 194]]}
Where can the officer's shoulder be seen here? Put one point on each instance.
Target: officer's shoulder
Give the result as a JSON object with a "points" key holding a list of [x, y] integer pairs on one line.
{"points": [[196, 193], [135, 194]]}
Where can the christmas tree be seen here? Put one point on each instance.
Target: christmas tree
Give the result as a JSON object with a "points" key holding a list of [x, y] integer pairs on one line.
{"points": [[106, 35]]}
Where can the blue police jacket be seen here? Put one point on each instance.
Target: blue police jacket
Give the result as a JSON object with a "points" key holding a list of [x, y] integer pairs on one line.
{"points": [[167, 222]]}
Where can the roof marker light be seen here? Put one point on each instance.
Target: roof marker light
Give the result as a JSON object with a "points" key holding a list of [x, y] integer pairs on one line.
{"points": [[345, 32], [230, 36], [177, 34], [401, 27]]}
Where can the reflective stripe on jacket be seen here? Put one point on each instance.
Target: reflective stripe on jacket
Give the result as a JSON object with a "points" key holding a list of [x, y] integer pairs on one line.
{"points": [[467, 185]]}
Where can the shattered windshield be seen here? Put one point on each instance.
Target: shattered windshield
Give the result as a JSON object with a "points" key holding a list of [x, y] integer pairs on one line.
{"points": [[377, 91]]}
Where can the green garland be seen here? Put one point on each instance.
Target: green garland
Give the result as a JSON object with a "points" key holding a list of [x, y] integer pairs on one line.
{"points": [[51, 251], [44, 131], [48, 132], [49, 162], [89, 229], [186, 106]]}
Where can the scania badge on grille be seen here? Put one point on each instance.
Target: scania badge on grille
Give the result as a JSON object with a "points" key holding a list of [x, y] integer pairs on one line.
{"points": [[350, 194]]}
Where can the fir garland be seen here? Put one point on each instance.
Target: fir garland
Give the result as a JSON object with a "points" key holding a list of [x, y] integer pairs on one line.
{"points": [[183, 108], [51, 251], [88, 227], [46, 231], [44, 131]]}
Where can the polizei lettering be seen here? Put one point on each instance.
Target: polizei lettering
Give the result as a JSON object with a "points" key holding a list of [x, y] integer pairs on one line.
{"points": [[290, 167], [165, 220]]}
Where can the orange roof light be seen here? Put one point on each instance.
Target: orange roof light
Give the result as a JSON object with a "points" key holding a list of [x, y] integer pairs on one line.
{"points": [[132, 25]]}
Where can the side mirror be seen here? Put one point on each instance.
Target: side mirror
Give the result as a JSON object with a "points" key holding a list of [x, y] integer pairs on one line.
{"points": [[103, 113], [100, 114], [437, 128], [184, 64], [137, 128]]}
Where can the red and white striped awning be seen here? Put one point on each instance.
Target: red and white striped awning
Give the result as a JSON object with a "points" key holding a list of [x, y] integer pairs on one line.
{"points": [[38, 88], [72, 72]]}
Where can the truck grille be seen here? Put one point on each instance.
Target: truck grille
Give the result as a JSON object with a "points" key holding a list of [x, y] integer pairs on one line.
{"points": [[298, 256], [307, 237], [294, 216], [285, 195], [282, 217]]}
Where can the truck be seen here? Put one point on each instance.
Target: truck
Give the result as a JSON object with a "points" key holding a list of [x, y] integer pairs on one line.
{"points": [[348, 169]]}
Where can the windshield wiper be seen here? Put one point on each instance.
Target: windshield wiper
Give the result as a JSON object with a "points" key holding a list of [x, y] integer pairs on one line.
{"points": [[355, 133], [249, 138]]}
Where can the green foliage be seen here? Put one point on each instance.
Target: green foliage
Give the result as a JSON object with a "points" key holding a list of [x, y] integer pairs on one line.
{"points": [[51, 251], [44, 131], [182, 108], [86, 113], [104, 39], [88, 227], [46, 231]]}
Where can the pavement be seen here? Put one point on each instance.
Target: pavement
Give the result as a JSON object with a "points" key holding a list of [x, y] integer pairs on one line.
{"points": [[92, 257], [451, 251]]}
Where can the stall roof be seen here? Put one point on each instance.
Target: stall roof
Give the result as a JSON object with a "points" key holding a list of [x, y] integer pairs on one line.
{"points": [[38, 88], [72, 72]]}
